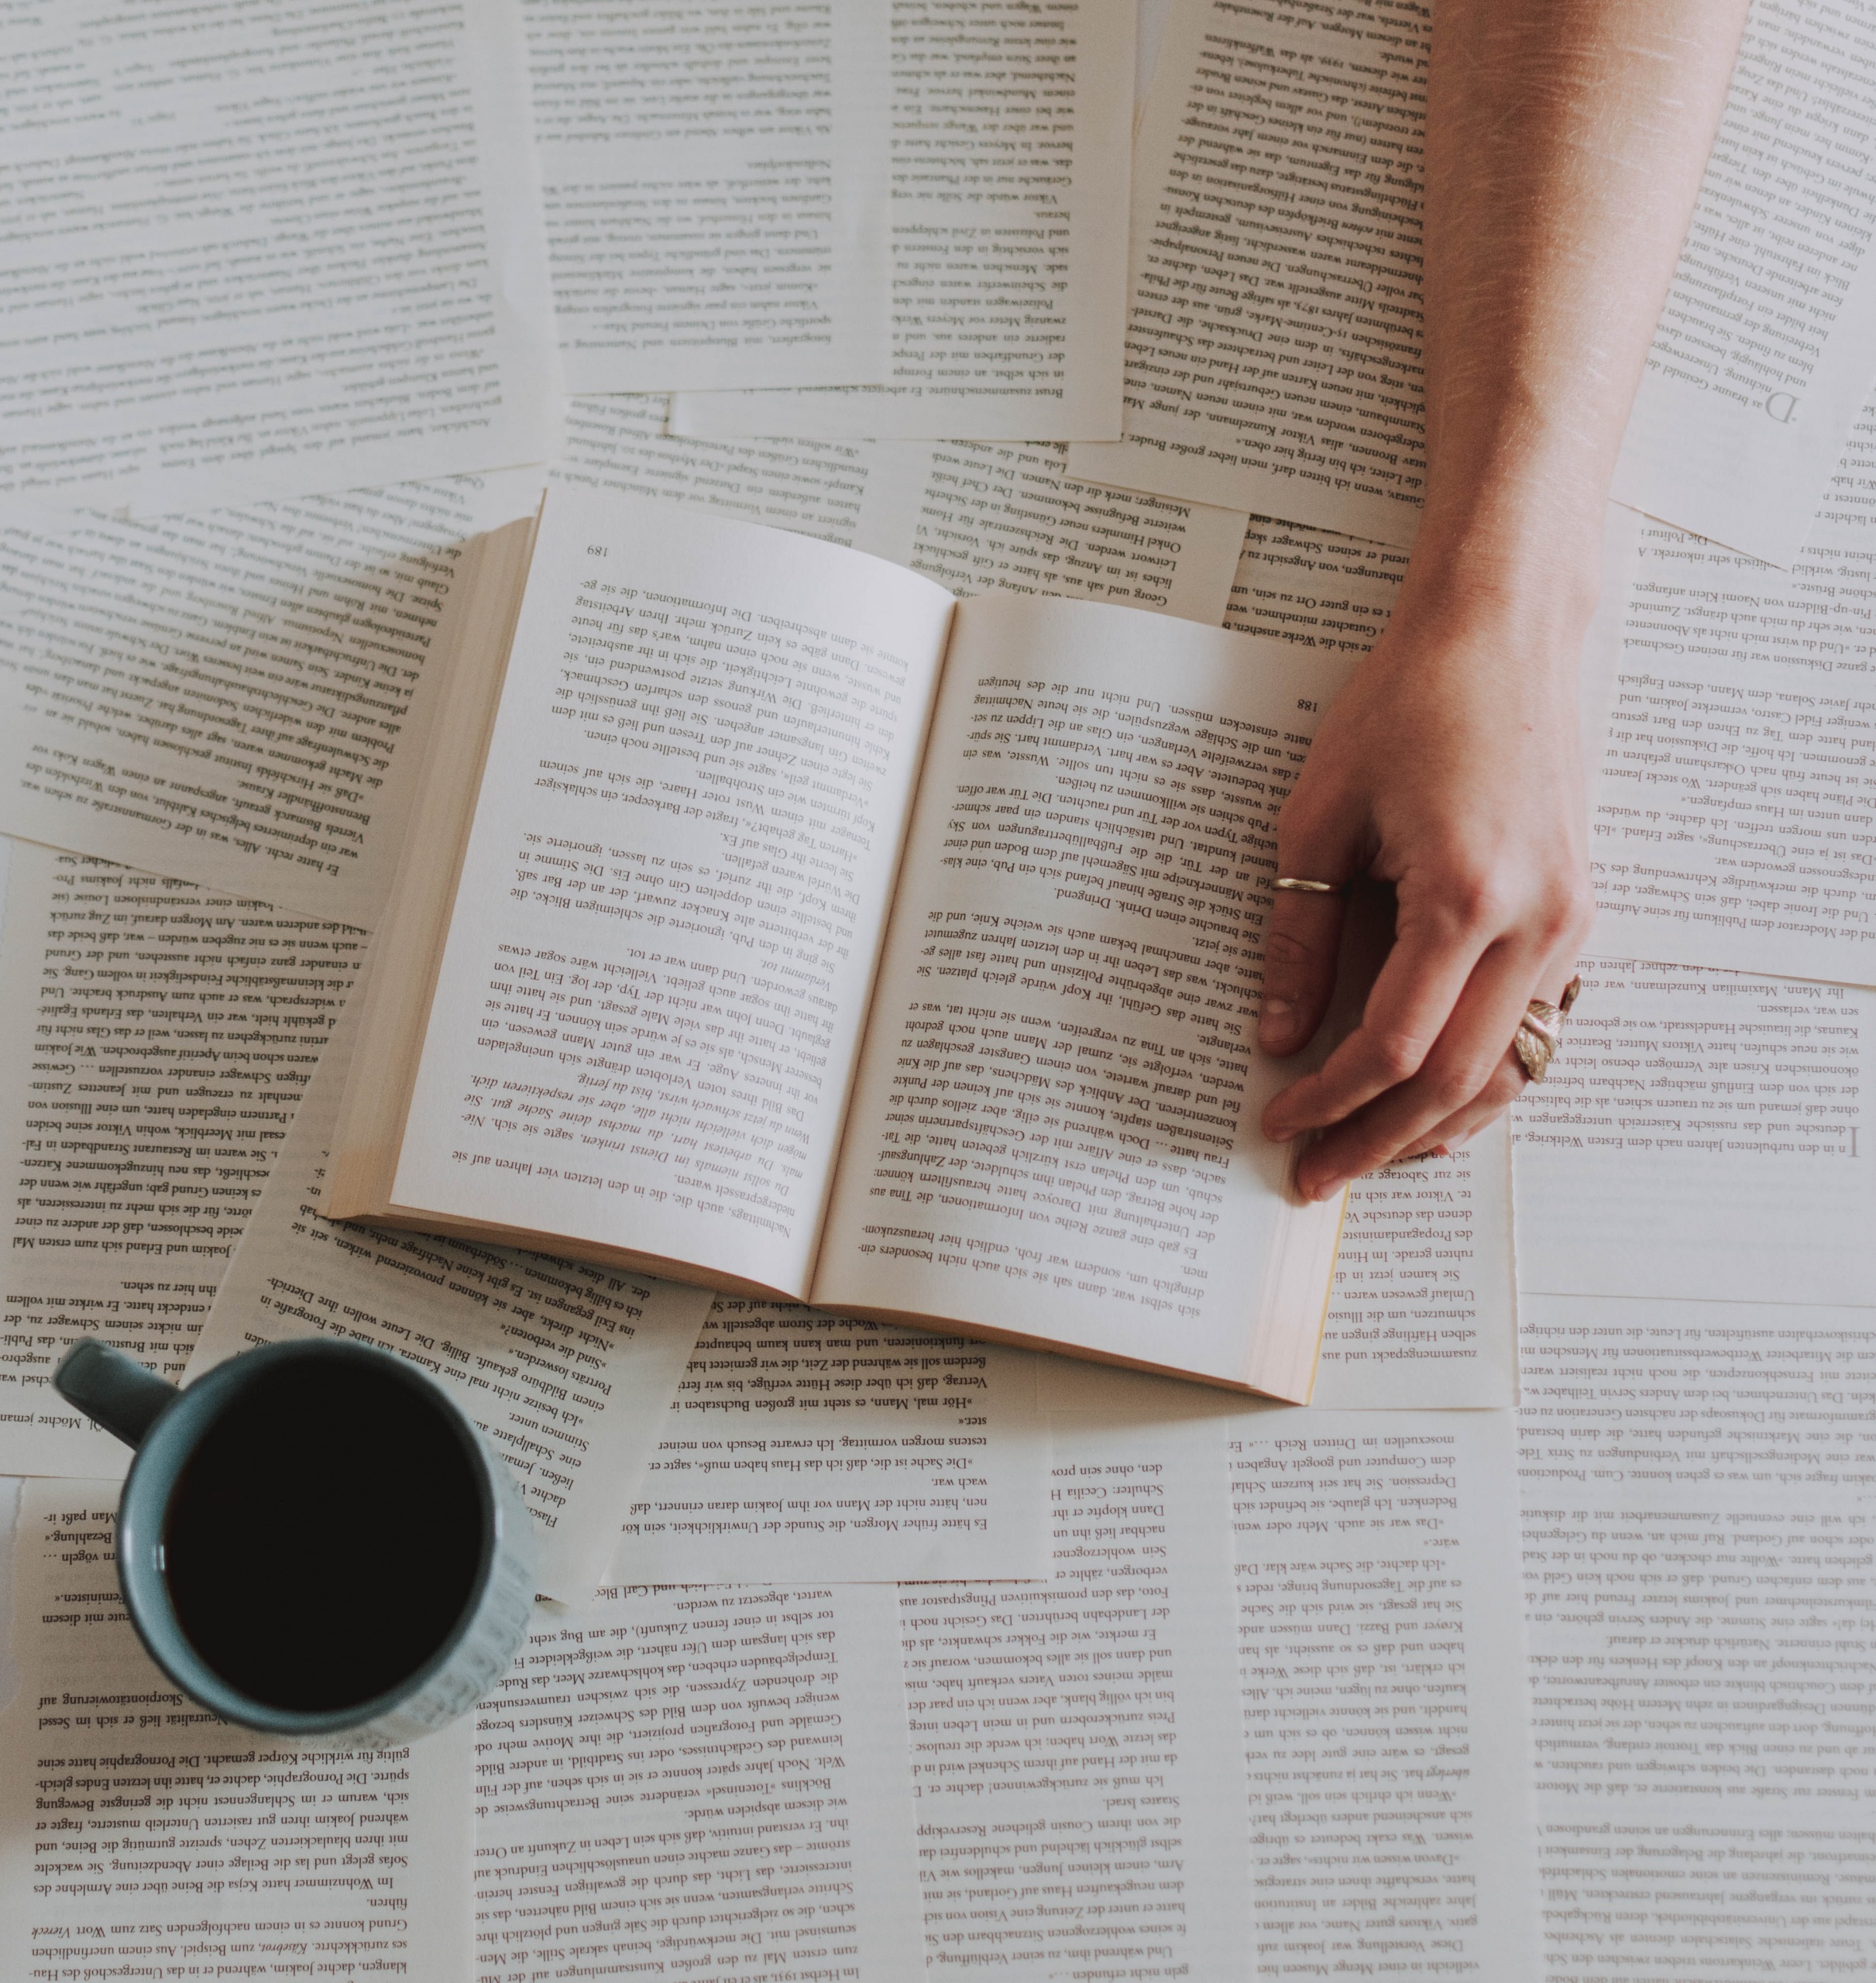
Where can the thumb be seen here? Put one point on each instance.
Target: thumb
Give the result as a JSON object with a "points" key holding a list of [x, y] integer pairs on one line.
{"points": [[1299, 967]]}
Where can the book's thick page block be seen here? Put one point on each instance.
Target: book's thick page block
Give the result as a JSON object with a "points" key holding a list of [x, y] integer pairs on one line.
{"points": [[137, 1827], [659, 958], [1054, 1134]]}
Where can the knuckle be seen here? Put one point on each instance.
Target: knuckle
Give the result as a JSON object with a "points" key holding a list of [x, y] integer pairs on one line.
{"points": [[1398, 1056], [1289, 956]]}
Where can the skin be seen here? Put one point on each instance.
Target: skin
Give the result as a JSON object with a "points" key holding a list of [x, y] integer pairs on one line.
{"points": [[1566, 139]]}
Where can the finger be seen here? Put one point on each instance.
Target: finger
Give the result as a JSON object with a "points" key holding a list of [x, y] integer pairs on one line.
{"points": [[1422, 983], [1499, 1092], [1468, 1055], [1299, 968]]}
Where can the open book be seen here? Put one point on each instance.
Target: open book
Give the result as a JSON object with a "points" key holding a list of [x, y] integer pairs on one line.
{"points": [[772, 919]]}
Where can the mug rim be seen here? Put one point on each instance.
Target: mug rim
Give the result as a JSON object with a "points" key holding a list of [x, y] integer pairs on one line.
{"points": [[160, 1460]]}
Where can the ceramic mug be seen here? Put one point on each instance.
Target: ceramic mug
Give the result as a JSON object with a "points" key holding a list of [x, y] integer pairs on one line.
{"points": [[313, 1539]]}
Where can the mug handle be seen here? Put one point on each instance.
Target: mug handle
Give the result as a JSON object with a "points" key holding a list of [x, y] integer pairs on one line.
{"points": [[120, 1394]]}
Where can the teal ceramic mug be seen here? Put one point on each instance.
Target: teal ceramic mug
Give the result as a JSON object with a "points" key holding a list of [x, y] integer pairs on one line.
{"points": [[313, 1539]]}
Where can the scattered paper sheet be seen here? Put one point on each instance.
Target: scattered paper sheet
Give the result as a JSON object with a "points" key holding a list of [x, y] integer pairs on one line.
{"points": [[712, 1778], [234, 698], [1385, 1704], [1080, 1787], [1698, 1553], [260, 252], [976, 516], [1767, 343], [1011, 149], [141, 1836], [1704, 1135], [855, 1452], [1731, 815], [158, 1038], [1274, 322], [715, 182], [568, 1368]]}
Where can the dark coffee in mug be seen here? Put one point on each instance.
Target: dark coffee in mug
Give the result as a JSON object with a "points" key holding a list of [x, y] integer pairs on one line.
{"points": [[323, 1542]]}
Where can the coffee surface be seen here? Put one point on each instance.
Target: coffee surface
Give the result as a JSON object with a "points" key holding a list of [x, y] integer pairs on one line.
{"points": [[324, 1541]]}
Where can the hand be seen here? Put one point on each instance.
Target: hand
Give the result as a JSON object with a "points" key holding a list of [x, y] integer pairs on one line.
{"points": [[1450, 767]]}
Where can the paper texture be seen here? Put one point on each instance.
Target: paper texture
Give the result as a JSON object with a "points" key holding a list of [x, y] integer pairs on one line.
{"points": [[1080, 1782], [1767, 343], [975, 516], [566, 1368], [1696, 1479], [157, 1041], [1273, 327], [142, 1835], [1385, 1705], [1010, 156], [714, 1778], [257, 251], [1731, 816], [232, 698], [1313, 588], [1704, 1135], [746, 710], [854, 1452], [714, 180]]}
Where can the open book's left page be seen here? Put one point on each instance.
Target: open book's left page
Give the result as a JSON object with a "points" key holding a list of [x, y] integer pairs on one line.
{"points": [[268, 250], [660, 957], [137, 1829]]}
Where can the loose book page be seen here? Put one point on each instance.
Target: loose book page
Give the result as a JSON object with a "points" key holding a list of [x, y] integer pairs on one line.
{"points": [[258, 251], [711, 1781], [1423, 1315], [1274, 322], [978, 516], [687, 835], [1702, 1133], [715, 187], [1386, 1711], [567, 1369], [1011, 131], [233, 697], [158, 1040], [1732, 816], [140, 1836], [856, 1452], [1081, 1794], [1698, 1571], [1060, 1096], [1763, 354], [1313, 588]]}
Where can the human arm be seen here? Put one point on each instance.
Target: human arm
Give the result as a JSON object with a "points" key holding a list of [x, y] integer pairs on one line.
{"points": [[1565, 142]]}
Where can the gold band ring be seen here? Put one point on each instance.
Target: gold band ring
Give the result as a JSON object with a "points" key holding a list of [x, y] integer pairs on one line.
{"points": [[1303, 888], [1540, 1032]]}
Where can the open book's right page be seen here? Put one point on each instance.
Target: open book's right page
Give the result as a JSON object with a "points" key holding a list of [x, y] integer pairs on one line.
{"points": [[1053, 1130]]}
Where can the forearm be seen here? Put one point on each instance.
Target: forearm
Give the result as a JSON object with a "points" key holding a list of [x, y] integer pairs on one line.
{"points": [[1566, 139]]}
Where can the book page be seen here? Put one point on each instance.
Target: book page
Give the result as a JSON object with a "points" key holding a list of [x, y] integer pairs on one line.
{"points": [[232, 698], [1010, 154], [687, 838], [1080, 1796], [1386, 1713], [1763, 353], [714, 1775], [567, 1367], [862, 1452], [1313, 588], [259, 251], [1273, 327], [1059, 1097], [1701, 1131], [158, 1040], [140, 1836], [1731, 815], [714, 179], [977, 516], [1698, 1557]]}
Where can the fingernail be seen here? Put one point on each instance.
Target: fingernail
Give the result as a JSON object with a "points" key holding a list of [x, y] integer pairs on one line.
{"points": [[1275, 1129], [1325, 1188], [1439, 1149], [1277, 1023]]}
